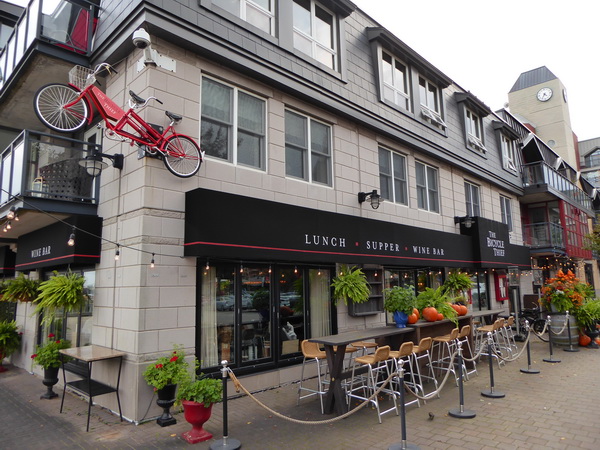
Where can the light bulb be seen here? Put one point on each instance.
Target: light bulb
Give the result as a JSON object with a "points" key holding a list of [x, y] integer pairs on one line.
{"points": [[152, 262], [117, 254]]}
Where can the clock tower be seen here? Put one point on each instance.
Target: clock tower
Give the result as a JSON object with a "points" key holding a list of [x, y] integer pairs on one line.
{"points": [[539, 99]]}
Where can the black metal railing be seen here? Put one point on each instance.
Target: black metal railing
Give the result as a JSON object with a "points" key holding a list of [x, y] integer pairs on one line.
{"points": [[47, 166]]}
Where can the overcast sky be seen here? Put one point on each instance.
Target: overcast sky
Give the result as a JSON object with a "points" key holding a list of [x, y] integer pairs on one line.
{"points": [[484, 46]]}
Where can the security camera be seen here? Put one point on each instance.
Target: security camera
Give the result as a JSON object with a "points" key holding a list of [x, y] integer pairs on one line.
{"points": [[141, 38]]}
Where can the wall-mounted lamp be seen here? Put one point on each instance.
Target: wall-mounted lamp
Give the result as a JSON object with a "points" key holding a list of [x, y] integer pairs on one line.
{"points": [[94, 164], [374, 197], [467, 221]]}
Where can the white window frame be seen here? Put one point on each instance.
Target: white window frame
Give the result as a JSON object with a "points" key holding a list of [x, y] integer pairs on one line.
{"points": [[242, 12], [315, 44], [391, 180], [308, 150], [509, 161], [472, 199], [401, 98], [428, 187], [506, 211], [234, 127], [433, 113], [474, 130]]}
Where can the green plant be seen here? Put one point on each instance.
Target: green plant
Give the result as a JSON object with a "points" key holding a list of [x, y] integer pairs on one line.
{"points": [[438, 299], [20, 289], [10, 339], [588, 314], [351, 283], [261, 299], [60, 292], [456, 284], [565, 293], [200, 388], [400, 298], [48, 355], [168, 369]]}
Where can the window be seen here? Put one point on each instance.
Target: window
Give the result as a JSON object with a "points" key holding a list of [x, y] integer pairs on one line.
{"points": [[474, 134], [307, 149], [508, 153], [506, 211], [430, 102], [472, 199], [395, 81], [392, 176], [232, 124], [427, 187], [314, 32], [593, 159], [259, 13]]}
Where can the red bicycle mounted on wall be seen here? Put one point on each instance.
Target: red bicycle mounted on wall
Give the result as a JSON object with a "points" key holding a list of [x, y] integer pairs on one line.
{"points": [[67, 108]]}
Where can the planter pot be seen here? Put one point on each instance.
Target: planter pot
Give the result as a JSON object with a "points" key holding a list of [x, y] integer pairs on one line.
{"points": [[166, 398], [401, 319], [196, 414], [557, 322], [2, 368], [50, 379]]}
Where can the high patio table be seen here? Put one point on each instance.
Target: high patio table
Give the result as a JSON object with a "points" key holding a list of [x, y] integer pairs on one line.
{"points": [[335, 359]]}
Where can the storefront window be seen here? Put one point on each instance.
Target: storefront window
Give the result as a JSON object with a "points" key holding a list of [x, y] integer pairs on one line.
{"points": [[291, 310]]}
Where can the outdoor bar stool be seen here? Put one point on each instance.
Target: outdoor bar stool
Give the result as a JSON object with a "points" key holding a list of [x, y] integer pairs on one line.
{"points": [[377, 372], [481, 336], [445, 344], [510, 333], [464, 338], [365, 346], [312, 352], [405, 354], [420, 352]]}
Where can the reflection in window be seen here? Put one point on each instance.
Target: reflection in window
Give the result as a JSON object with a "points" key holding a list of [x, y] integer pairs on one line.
{"points": [[232, 124], [314, 32], [430, 102]]}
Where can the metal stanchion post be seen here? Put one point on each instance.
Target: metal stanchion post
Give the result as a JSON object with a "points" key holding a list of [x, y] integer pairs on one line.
{"points": [[491, 393], [551, 359], [403, 444], [227, 442], [529, 369], [461, 412], [570, 349]]}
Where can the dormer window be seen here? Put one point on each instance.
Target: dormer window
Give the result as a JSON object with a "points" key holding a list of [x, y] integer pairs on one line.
{"points": [[429, 96], [395, 81], [472, 111], [315, 32], [260, 13], [507, 142]]}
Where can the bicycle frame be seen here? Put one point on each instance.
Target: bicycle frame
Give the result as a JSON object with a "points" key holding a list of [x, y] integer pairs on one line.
{"points": [[111, 112]]}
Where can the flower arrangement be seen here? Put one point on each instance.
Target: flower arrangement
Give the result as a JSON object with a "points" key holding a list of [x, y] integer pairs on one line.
{"points": [[48, 355], [168, 369], [565, 293]]}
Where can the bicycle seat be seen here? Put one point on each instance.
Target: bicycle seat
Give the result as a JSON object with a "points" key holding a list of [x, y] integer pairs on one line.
{"points": [[136, 98], [174, 117]]}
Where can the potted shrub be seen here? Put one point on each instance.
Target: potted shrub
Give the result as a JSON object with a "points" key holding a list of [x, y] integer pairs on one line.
{"points": [[60, 292], [164, 375], [48, 357], [197, 394], [587, 317], [456, 286], [10, 340], [351, 283], [400, 301], [20, 289]]}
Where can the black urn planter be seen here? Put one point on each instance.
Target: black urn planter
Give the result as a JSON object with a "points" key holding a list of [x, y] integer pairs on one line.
{"points": [[593, 334], [50, 379], [166, 399]]}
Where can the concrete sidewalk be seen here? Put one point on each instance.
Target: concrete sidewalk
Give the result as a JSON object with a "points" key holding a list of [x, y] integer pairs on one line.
{"points": [[556, 409]]}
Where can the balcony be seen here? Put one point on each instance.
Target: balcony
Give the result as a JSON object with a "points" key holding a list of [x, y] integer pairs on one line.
{"points": [[41, 172], [543, 183], [544, 235]]}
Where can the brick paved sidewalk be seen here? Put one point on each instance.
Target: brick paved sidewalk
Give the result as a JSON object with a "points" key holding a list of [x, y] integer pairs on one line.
{"points": [[551, 410]]}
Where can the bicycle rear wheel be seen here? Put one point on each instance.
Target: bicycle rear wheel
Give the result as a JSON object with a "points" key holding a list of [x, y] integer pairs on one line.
{"points": [[49, 105], [182, 156], [538, 327]]}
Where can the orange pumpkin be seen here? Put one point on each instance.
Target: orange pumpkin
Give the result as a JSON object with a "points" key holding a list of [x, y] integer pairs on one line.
{"points": [[412, 318], [584, 340], [463, 310], [456, 307], [430, 314], [440, 316], [416, 313]]}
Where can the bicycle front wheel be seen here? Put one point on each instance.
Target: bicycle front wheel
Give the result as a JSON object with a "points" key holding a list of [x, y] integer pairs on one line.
{"points": [[182, 156], [49, 105]]}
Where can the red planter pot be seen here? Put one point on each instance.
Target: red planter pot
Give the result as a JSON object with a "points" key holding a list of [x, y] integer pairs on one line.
{"points": [[196, 414]]}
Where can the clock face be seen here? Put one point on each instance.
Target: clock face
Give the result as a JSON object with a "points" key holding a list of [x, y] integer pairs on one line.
{"points": [[544, 94]]}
